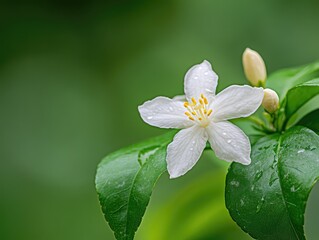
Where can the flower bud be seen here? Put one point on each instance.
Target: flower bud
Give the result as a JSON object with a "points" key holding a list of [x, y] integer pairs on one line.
{"points": [[270, 101], [254, 68]]}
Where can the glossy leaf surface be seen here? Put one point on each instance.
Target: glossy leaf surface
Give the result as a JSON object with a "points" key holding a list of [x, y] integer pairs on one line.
{"points": [[267, 199], [311, 121], [300, 95], [124, 182], [283, 80]]}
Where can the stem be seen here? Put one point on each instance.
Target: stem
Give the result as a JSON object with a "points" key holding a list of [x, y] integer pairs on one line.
{"points": [[256, 120]]}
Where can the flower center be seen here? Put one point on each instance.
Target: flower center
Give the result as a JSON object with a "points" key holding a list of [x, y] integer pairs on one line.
{"points": [[198, 111]]}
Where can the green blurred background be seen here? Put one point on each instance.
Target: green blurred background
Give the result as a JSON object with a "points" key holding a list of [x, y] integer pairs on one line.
{"points": [[72, 74]]}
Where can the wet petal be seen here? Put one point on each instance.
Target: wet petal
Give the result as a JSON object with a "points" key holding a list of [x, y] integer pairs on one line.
{"points": [[229, 142], [164, 112], [236, 101], [185, 150], [200, 79]]}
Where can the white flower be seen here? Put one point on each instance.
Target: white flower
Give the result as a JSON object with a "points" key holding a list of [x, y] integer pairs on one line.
{"points": [[203, 118]]}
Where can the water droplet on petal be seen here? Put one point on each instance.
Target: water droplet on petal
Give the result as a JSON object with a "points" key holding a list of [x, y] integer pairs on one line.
{"points": [[229, 141], [191, 149], [193, 142], [149, 117], [206, 73], [224, 133], [208, 90]]}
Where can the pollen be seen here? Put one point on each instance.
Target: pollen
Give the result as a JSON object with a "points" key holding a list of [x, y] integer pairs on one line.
{"points": [[197, 110], [194, 101]]}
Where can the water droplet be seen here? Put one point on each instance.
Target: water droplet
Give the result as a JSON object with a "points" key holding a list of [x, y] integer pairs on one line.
{"points": [[149, 117], [191, 149], [206, 73], [252, 188], [224, 133], [258, 175], [229, 141], [195, 77], [234, 183], [193, 142], [293, 189], [301, 151], [273, 178], [242, 202], [260, 204], [311, 148], [171, 109], [208, 90], [274, 165]]}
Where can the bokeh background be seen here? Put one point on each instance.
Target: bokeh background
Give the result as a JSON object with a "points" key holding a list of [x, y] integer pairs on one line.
{"points": [[72, 74]]}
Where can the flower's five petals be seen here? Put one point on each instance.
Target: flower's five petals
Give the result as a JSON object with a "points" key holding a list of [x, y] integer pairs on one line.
{"points": [[185, 150], [200, 79], [203, 117], [164, 112], [229, 142], [236, 101]]}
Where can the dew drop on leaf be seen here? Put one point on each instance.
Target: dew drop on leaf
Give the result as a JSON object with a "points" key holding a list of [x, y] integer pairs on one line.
{"points": [[258, 175]]}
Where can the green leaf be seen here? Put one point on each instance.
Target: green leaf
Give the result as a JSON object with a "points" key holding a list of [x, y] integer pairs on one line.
{"points": [[196, 212], [124, 182], [311, 121], [283, 80], [267, 199], [298, 96]]}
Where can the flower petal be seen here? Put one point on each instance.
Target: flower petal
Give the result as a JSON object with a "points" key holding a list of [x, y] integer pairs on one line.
{"points": [[229, 142], [236, 101], [200, 79], [164, 112], [185, 150], [179, 98]]}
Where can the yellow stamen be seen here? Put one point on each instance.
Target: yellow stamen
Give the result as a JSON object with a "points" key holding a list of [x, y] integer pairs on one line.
{"points": [[194, 101], [198, 111]]}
